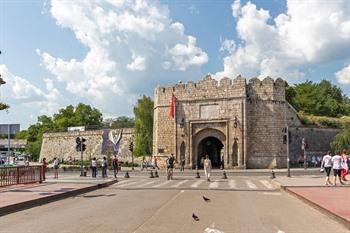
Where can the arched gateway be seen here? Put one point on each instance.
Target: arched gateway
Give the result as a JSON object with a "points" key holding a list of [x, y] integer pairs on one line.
{"points": [[208, 142]]}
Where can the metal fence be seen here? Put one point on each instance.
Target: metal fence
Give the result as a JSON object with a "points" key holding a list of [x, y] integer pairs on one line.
{"points": [[20, 175]]}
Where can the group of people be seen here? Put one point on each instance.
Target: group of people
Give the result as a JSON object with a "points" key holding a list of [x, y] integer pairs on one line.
{"points": [[340, 164], [104, 165]]}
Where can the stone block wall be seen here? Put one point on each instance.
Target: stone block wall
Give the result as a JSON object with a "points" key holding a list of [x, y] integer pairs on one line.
{"points": [[318, 139], [62, 145]]}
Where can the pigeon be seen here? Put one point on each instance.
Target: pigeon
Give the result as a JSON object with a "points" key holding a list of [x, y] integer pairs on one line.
{"points": [[195, 217], [206, 199]]}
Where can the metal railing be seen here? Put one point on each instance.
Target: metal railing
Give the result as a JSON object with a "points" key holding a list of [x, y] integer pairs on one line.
{"points": [[20, 175]]}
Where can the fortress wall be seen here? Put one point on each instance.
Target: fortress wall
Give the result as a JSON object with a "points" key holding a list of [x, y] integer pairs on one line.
{"points": [[266, 117], [318, 139], [62, 145]]}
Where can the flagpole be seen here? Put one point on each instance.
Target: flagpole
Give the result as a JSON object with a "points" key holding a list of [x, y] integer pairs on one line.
{"points": [[175, 127]]}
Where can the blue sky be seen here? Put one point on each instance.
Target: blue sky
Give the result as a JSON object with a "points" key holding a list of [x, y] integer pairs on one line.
{"points": [[109, 52]]}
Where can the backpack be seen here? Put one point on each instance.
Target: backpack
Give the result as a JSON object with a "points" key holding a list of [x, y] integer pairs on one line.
{"points": [[171, 160]]}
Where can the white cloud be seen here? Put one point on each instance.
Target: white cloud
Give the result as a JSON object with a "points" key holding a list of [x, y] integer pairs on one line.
{"points": [[343, 75], [309, 32], [19, 91], [133, 46]]}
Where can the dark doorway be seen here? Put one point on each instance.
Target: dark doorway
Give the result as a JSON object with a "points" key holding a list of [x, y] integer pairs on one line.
{"points": [[182, 151], [210, 146]]}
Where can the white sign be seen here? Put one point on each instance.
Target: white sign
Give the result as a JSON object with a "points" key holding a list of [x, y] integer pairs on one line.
{"points": [[209, 111], [76, 128]]}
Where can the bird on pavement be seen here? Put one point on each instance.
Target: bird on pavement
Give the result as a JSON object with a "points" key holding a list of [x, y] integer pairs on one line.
{"points": [[206, 199], [195, 217]]}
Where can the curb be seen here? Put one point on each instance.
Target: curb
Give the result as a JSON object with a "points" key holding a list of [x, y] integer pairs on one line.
{"points": [[334, 216], [45, 200]]}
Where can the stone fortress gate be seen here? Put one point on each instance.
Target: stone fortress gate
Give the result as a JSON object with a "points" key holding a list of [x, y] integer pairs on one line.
{"points": [[243, 121]]}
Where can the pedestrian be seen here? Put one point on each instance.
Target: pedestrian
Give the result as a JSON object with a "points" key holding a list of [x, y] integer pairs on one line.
{"points": [[313, 160], [104, 167], [94, 167], [337, 166], [301, 161], [115, 166], [326, 165], [222, 160], [156, 163], [44, 168], [345, 167], [170, 167], [143, 163], [56, 164], [182, 164], [207, 167]]}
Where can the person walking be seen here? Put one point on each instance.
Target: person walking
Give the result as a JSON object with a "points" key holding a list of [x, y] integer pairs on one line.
{"points": [[337, 166], [207, 167], [345, 167], [115, 166], [156, 163], [44, 168], [170, 167], [104, 167], [56, 164], [94, 167], [182, 165], [222, 160], [327, 166]]}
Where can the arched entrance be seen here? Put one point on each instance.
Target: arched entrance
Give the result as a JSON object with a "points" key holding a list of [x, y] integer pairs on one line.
{"points": [[208, 141], [210, 146]]}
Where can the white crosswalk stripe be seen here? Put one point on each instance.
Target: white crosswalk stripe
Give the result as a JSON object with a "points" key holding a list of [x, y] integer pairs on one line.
{"points": [[266, 184], [214, 184], [122, 182], [251, 184], [232, 184], [162, 184], [146, 184], [127, 184], [196, 184], [179, 184]]}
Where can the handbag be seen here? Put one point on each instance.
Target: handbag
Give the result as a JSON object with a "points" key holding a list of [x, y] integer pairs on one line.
{"points": [[322, 170]]}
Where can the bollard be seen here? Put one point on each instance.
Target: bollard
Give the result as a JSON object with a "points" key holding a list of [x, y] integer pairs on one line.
{"points": [[273, 176], [197, 174], [224, 176], [151, 175], [156, 173], [127, 175]]}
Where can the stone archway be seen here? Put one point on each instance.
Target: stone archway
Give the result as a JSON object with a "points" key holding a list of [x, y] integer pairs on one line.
{"points": [[209, 141]]}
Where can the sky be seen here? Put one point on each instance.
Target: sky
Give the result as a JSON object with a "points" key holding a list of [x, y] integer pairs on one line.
{"points": [[108, 53]]}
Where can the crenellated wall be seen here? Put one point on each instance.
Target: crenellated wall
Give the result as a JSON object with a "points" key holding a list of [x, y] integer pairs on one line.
{"points": [[62, 145], [258, 107]]}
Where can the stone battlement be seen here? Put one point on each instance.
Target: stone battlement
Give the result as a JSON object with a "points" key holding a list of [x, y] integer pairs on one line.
{"points": [[209, 88]]}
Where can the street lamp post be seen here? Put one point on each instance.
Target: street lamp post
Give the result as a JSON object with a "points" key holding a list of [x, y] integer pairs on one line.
{"points": [[303, 144]]}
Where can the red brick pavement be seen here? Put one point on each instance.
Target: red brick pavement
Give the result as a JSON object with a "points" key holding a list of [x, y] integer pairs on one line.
{"points": [[336, 200]]}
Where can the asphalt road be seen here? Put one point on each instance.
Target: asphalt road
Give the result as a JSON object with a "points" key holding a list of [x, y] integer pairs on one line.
{"points": [[160, 210]]}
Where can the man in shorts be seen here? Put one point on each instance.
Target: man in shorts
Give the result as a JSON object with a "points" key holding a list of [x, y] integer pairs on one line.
{"points": [[337, 166], [327, 166]]}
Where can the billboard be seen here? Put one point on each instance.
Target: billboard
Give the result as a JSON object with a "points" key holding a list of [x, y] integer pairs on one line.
{"points": [[111, 142], [14, 128]]}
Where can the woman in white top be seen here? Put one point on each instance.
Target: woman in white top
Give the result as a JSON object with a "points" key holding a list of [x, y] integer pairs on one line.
{"points": [[327, 166], [94, 167], [207, 167], [337, 166], [56, 163]]}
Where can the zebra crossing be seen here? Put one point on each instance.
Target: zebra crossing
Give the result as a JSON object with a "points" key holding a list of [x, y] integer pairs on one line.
{"points": [[215, 184]]}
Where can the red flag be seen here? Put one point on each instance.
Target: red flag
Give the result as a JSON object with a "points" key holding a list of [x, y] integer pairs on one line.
{"points": [[172, 106]]}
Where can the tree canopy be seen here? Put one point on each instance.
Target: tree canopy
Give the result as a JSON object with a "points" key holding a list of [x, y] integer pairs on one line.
{"points": [[342, 140], [321, 99], [143, 126], [81, 115], [119, 122]]}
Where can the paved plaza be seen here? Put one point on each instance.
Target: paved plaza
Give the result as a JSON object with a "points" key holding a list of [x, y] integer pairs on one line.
{"points": [[142, 204]]}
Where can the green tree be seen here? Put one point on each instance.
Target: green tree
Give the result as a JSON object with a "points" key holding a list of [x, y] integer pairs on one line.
{"points": [[82, 115], [119, 122], [3, 106], [143, 126], [342, 140], [321, 99]]}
